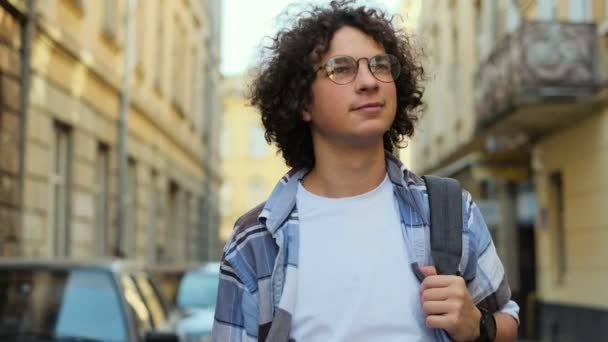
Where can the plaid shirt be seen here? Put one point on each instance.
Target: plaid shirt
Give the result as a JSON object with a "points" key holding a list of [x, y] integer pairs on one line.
{"points": [[258, 275]]}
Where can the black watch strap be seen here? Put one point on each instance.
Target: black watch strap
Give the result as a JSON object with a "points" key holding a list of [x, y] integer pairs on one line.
{"points": [[487, 327]]}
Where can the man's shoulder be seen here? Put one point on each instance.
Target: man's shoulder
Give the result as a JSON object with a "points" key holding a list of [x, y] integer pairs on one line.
{"points": [[247, 228], [250, 241], [249, 219]]}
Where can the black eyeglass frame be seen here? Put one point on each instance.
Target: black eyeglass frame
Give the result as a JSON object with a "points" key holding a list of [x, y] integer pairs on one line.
{"points": [[394, 63]]}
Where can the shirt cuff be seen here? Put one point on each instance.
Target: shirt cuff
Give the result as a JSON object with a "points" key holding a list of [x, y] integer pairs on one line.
{"points": [[511, 309]]}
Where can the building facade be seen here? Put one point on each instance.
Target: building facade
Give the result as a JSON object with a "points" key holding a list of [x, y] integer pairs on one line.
{"points": [[517, 111], [409, 12], [87, 68], [251, 167], [12, 27]]}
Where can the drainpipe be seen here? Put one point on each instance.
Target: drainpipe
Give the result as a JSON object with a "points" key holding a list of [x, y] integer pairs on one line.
{"points": [[26, 54], [123, 125], [207, 160]]}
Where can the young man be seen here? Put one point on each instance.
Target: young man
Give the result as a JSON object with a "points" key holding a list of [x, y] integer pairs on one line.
{"points": [[340, 251]]}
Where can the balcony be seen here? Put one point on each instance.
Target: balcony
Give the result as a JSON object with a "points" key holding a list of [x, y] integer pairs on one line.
{"points": [[538, 79]]}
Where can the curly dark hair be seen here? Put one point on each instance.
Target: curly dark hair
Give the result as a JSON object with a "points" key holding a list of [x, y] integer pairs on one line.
{"points": [[281, 89]]}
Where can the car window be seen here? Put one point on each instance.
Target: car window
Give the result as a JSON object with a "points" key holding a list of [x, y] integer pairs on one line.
{"points": [[164, 301], [136, 304], [151, 299], [168, 283], [63, 303], [198, 290]]}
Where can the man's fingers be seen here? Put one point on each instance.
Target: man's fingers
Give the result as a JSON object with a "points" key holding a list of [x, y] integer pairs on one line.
{"points": [[435, 307], [434, 294], [428, 270], [437, 281], [439, 321]]}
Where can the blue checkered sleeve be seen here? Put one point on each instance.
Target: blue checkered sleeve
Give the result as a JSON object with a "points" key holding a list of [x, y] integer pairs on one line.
{"points": [[229, 324], [490, 288]]}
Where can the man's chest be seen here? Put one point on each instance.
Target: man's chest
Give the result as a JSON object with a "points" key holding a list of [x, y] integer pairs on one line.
{"points": [[354, 279]]}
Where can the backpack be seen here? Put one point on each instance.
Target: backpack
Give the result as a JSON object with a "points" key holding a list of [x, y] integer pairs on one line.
{"points": [[445, 203]]}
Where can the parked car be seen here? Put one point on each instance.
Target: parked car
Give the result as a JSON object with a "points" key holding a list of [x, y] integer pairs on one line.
{"points": [[65, 300], [168, 277], [196, 297]]}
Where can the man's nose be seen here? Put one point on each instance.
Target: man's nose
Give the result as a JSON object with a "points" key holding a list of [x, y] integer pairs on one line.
{"points": [[365, 80]]}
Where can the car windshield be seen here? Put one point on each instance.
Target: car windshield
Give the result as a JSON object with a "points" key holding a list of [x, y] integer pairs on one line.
{"points": [[198, 290], [61, 304]]}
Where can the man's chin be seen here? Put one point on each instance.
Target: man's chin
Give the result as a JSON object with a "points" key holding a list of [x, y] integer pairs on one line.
{"points": [[369, 139]]}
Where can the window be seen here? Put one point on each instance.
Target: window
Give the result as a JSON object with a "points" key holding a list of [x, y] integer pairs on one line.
{"points": [[194, 239], [579, 10], [60, 176], [202, 224], [187, 229], [195, 91], [140, 313], [479, 33], [153, 216], [179, 66], [436, 49], [131, 233], [225, 146], [455, 68], [257, 192], [494, 25], [257, 143], [79, 5], [487, 25], [202, 93], [110, 19], [151, 299], [101, 189], [226, 198], [557, 216], [173, 223], [140, 38], [159, 46], [546, 9], [209, 68], [513, 16], [89, 298], [198, 290], [488, 205], [61, 303]]}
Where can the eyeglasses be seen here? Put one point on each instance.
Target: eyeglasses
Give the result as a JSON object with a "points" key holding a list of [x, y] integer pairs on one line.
{"points": [[344, 69]]}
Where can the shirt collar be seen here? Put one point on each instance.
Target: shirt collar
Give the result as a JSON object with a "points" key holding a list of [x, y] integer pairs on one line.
{"points": [[282, 200]]}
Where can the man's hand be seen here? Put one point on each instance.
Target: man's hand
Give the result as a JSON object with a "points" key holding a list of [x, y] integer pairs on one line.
{"points": [[447, 305]]}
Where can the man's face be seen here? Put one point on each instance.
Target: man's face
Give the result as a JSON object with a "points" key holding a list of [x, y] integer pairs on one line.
{"points": [[357, 113]]}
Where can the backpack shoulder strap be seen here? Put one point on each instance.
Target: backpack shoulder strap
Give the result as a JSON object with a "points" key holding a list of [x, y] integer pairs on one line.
{"points": [[445, 204]]}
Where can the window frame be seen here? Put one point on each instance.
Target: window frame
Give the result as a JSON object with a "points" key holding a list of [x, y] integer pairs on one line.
{"points": [[60, 183]]}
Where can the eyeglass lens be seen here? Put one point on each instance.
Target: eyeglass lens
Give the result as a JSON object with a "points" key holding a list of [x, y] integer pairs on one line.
{"points": [[343, 69]]}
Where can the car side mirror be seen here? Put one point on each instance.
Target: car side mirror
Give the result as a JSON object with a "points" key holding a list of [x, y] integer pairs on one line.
{"points": [[161, 336]]}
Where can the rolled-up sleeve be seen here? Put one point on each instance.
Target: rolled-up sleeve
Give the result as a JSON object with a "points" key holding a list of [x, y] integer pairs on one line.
{"points": [[512, 309], [489, 288]]}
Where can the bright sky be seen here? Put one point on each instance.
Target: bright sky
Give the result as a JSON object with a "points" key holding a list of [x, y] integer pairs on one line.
{"points": [[245, 23]]}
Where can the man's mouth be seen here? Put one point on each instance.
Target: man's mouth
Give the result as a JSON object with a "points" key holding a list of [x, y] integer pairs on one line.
{"points": [[369, 107]]}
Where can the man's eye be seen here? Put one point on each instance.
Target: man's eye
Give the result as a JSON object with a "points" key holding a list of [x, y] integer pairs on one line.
{"points": [[382, 67], [342, 69]]}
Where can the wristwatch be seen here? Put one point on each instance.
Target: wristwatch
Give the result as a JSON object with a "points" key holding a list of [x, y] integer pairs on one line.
{"points": [[487, 327]]}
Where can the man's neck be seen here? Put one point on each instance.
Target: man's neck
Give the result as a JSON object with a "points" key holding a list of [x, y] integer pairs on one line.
{"points": [[344, 172]]}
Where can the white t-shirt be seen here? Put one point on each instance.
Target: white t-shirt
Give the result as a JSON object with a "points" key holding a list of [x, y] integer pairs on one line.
{"points": [[355, 282]]}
